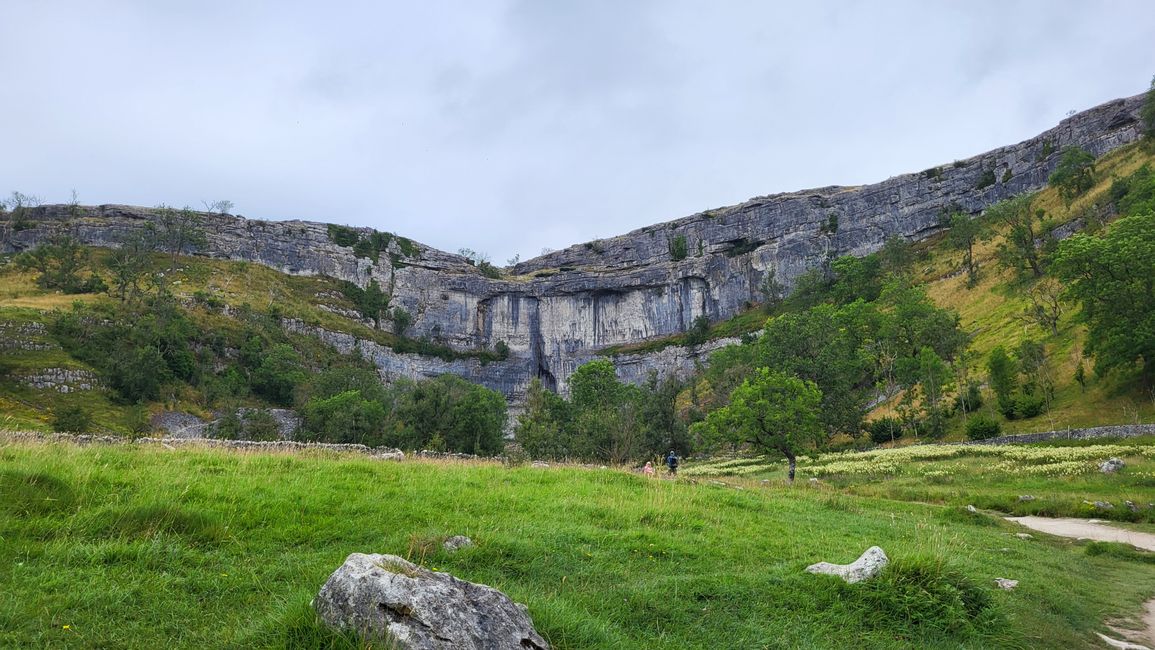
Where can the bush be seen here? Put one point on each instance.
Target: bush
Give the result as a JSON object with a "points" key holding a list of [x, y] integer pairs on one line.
{"points": [[884, 429], [699, 331], [72, 418], [1029, 405], [986, 180], [678, 248], [983, 427]]}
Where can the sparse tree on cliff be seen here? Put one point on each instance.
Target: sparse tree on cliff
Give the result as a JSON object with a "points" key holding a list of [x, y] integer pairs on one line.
{"points": [[964, 233], [178, 232]]}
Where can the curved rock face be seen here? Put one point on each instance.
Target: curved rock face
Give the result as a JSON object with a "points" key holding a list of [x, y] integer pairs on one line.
{"points": [[556, 311]]}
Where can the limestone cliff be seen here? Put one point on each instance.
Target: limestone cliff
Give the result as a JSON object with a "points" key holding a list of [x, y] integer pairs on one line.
{"points": [[557, 311]]}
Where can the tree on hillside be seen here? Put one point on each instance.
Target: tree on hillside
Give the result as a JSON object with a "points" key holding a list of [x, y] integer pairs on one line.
{"points": [[1075, 173], [1023, 247], [1003, 373], [964, 233], [178, 232], [1113, 278], [130, 265], [772, 412], [60, 262]]}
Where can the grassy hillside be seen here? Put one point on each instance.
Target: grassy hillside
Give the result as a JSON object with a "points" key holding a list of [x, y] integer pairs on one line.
{"points": [[131, 547]]}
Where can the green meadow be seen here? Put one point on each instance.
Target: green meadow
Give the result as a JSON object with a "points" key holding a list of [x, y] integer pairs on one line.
{"points": [[128, 546]]}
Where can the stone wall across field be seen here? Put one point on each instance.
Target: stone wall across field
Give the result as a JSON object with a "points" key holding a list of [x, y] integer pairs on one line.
{"points": [[245, 445], [1113, 431]]}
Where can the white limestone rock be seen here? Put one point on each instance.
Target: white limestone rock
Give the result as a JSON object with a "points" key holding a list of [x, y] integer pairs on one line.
{"points": [[867, 566], [385, 597]]}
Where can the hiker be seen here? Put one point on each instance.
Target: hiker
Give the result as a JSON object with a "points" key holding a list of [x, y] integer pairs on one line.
{"points": [[648, 470], [672, 463]]}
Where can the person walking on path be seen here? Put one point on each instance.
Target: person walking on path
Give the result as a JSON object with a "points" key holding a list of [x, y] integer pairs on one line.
{"points": [[672, 463]]}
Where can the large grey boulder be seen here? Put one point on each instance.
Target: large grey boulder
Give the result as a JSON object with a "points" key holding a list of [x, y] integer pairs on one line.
{"points": [[868, 565], [386, 597]]}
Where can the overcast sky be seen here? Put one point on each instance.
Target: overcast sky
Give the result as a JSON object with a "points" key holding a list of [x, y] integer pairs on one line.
{"points": [[511, 126]]}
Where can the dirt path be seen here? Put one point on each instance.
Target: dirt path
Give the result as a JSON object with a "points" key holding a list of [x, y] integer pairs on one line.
{"points": [[1087, 529], [1095, 530]]}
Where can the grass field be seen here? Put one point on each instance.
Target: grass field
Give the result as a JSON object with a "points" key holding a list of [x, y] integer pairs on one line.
{"points": [[132, 547]]}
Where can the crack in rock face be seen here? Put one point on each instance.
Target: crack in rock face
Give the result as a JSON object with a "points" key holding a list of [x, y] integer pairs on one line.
{"points": [[387, 597]]}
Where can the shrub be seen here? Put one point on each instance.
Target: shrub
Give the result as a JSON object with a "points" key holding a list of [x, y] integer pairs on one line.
{"points": [[343, 235], [986, 180], [884, 429], [1029, 405], [699, 331], [982, 427], [72, 418], [678, 248]]}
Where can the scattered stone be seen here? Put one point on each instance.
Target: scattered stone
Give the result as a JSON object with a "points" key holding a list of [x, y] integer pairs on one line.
{"points": [[1026, 497], [456, 543], [385, 597], [765, 481], [538, 463], [1024, 536], [1111, 465], [1131, 506], [1005, 583], [1101, 505], [813, 482], [1122, 645], [972, 509], [868, 565]]}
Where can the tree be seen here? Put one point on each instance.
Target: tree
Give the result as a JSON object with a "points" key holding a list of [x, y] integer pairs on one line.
{"points": [[771, 411], [1045, 306], [130, 265], [1003, 374], [1113, 279], [178, 232], [346, 417], [964, 233], [223, 206], [278, 374], [1022, 249], [1075, 173], [60, 261]]}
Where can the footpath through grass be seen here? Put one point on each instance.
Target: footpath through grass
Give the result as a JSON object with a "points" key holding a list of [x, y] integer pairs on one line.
{"points": [[128, 547]]}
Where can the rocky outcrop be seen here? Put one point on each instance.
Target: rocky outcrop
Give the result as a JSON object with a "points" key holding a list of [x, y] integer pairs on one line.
{"points": [[559, 310], [385, 597]]}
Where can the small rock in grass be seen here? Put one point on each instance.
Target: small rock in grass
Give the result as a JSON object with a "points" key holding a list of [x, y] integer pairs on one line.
{"points": [[538, 463], [1005, 550], [1024, 536], [1026, 497], [868, 565], [1007, 584], [1102, 505], [456, 543], [972, 509], [1131, 506], [765, 481], [1111, 465], [813, 482]]}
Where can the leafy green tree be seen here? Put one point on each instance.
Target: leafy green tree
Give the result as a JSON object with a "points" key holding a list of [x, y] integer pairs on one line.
{"points": [[1023, 247], [346, 417], [1075, 173], [130, 265], [459, 415], [280, 371], [60, 261], [1113, 279], [541, 428], [771, 411], [1003, 373], [178, 232], [964, 233], [825, 345]]}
